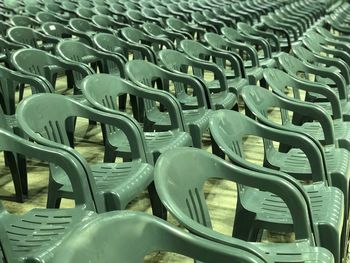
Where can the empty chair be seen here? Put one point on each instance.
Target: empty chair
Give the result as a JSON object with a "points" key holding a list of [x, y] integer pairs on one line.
{"points": [[114, 185], [98, 87], [278, 80], [229, 131], [144, 73], [295, 67], [59, 31], [136, 36], [105, 21], [83, 26], [21, 20], [113, 44], [31, 38], [292, 161], [19, 232], [40, 63], [253, 70], [193, 31], [43, 17], [178, 62], [86, 13], [180, 187], [235, 80], [234, 36], [160, 32], [75, 51]]}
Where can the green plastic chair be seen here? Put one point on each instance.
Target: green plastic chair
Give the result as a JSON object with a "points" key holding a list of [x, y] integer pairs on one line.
{"points": [[40, 63], [235, 80], [179, 63], [229, 131], [77, 52], [144, 74], [285, 32], [25, 21], [136, 36], [84, 26], [152, 16], [318, 45], [9, 81], [59, 31], [31, 10], [99, 87], [273, 42], [279, 80], [115, 185], [173, 11], [224, 20], [44, 16], [208, 24], [296, 68], [160, 32], [107, 22], [180, 188], [119, 10], [112, 44], [333, 64], [150, 235], [193, 31], [219, 43], [45, 228], [241, 40], [85, 13], [293, 162], [31, 38]]}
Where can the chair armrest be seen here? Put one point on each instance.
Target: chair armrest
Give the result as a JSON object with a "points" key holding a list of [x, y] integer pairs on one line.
{"points": [[259, 42]]}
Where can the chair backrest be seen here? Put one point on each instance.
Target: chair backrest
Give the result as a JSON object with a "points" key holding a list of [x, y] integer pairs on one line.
{"points": [[195, 49], [145, 234], [85, 12], [24, 35], [22, 20], [111, 43], [180, 187]]}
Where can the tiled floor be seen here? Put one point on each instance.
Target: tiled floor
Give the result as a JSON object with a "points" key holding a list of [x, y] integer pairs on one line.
{"points": [[221, 195]]}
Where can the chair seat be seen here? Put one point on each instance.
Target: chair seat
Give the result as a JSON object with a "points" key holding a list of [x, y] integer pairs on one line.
{"points": [[118, 183], [220, 100], [341, 131], [272, 213], [344, 105], [39, 230], [296, 252], [295, 162], [157, 142], [235, 85]]}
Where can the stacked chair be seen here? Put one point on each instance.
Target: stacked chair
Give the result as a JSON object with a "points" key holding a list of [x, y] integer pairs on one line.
{"points": [[158, 76]]}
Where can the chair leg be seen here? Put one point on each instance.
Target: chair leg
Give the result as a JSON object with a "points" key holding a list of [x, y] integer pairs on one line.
{"points": [[16, 176], [53, 198], [109, 155], [158, 208], [216, 149], [196, 136], [244, 224], [329, 238]]}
